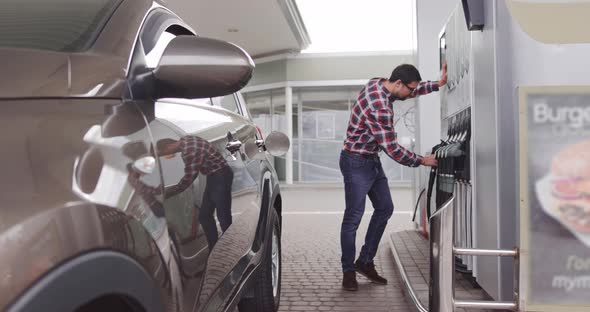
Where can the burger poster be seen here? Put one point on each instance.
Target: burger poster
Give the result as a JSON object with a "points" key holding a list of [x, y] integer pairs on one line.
{"points": [[555, 198]]}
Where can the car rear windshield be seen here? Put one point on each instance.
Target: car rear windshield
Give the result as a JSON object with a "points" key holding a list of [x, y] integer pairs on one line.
{"points": [[55, 25]]}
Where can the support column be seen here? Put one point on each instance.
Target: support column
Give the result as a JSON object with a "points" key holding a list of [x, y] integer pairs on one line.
{"points": [[289, 126], [300, 136]]}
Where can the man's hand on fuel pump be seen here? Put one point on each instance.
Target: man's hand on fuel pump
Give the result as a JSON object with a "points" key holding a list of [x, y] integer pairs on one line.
{"points": [[430, 161]]}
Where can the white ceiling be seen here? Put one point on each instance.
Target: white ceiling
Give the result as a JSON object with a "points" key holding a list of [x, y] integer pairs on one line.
{"points": [[264, 27]]}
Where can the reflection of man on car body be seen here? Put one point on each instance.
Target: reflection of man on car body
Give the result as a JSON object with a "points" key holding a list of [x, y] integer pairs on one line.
{"points": [[199, 156]]}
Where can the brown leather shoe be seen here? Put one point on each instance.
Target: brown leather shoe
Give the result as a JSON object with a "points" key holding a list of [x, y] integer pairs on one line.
{"points": [[349, 281], [368, 271]]}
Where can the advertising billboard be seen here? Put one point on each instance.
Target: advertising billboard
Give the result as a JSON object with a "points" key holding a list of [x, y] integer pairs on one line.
{"points": [[555, 198]]}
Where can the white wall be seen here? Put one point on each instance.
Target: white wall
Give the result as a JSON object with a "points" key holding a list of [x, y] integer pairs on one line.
{"points": [[431, 16]]}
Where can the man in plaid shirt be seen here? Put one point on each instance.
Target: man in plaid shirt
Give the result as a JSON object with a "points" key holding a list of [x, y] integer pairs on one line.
{"points": [[370, 130], [199, 157]]}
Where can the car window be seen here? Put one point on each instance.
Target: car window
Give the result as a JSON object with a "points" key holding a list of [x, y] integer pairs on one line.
{"points": [[243, 107], [228, 102], [190, 116], [57, 25], [152, 57], [158, 30]]}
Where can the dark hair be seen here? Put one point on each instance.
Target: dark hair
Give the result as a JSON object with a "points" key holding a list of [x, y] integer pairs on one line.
{"points": [[406, 73], [162, 146]]}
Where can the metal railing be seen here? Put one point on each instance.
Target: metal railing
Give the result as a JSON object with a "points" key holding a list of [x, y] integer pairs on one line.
{"points": [[404, 275], [442, 265]]}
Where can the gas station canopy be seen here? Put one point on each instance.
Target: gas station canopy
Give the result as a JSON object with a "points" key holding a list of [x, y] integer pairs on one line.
{"points": [[261, 27]]}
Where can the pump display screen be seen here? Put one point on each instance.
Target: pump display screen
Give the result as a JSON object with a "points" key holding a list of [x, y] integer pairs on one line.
{"points": [[555, 196]]}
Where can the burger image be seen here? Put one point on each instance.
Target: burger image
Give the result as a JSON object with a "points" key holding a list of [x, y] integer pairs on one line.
{"points": [[570, 186]]}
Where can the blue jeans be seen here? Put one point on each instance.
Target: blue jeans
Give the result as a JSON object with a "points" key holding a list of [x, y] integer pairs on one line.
{"points": [[217, 197], [363, 177]]}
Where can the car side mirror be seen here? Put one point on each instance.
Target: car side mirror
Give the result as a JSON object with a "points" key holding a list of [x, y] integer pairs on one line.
{"points": [[277, 143], [199, 67]]}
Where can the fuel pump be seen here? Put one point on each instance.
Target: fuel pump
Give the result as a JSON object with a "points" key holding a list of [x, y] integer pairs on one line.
{"points": [[453, 178]]}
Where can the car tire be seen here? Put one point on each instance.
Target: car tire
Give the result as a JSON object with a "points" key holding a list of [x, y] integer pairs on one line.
{"points": [[267, 283]]}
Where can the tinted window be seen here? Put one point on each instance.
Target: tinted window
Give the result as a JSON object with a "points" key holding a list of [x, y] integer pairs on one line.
{"points": [[243, 105], [152, 57], [191, 116], [228, 102], [56, 25], [157, 32]]}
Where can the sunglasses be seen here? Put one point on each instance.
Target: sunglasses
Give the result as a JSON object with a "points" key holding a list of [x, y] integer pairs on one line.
{"points": [[411, 89]]}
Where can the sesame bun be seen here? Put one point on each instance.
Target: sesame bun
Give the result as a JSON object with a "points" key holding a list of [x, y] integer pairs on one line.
{"points": [[572, 161]]}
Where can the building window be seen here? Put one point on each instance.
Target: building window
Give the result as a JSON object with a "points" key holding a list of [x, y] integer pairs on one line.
{"points": [[267, 109], [320, 118]]}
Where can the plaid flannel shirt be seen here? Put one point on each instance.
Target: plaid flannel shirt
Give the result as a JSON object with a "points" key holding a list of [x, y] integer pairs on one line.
{"points": [[371, 123], [198, 155]]}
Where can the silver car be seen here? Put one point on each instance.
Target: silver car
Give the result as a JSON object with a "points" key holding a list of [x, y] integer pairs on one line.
{"points": [[133, 178]]}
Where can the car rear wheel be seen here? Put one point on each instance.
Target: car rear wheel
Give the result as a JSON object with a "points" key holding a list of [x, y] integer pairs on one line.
{"points": [[267, 284]]}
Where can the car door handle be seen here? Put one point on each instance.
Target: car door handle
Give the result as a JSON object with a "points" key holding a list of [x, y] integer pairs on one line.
{"points": [[260, 145], [233, 147]]}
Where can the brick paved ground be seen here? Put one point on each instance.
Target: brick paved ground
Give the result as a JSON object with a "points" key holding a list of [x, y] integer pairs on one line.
{"points": [[413, 250], [311, 258]]}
